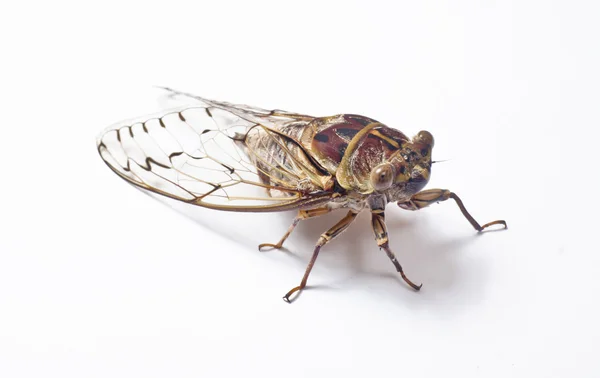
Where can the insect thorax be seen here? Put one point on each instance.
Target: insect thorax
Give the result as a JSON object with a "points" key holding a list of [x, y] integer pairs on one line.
{"points": [[311, 155]]}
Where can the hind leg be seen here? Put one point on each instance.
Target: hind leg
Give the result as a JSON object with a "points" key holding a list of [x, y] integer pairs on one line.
{"points": [[302, 214]]}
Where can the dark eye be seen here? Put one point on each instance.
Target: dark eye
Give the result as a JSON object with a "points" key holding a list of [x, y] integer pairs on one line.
{"points": [[382, 177], [424, 152]]}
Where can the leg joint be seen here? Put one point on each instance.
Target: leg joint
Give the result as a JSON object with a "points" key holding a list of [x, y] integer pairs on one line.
{"points": [[323, 239], [383, 242]]}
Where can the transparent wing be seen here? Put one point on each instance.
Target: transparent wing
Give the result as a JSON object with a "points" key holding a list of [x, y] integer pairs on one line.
{"points": [[276, 118], [198, 154]]}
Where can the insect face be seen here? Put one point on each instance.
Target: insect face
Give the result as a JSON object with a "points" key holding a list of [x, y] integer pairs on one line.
{"points": [[411, 166], [418, 157]]}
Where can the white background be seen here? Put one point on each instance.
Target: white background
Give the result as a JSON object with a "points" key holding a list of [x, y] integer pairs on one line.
{"points": [[99, 280]]}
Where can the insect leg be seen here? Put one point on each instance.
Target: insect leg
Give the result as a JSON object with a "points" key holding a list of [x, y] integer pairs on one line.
{"points": [[427, 197], [324, 239], [381, 235], [302, 214]]}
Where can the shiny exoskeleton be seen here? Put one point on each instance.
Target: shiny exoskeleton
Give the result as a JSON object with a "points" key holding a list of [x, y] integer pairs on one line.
{"points": [[313, 164]]}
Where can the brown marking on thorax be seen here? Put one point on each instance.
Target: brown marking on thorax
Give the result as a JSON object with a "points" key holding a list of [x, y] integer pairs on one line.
{"points": [[332, 135]]}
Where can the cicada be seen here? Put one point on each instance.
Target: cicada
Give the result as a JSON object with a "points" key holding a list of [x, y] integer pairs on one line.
{"points": [[240, 158]]}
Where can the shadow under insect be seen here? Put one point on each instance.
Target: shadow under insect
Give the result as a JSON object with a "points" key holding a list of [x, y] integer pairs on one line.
{"points": [[353, 262]]}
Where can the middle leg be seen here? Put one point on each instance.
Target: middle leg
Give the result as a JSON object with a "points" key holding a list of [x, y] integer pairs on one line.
{"points": [[381, 235], [325, 238]]}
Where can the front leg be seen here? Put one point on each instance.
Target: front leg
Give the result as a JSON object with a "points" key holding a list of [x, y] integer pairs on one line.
{"points": [[427, 197], [381, 235]]}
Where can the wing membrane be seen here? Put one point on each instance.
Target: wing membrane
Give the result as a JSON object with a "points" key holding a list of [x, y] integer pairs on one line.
{"points": [[217, 155], [276, 118]]}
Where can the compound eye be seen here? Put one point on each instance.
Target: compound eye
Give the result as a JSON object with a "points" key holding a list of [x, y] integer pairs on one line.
{"points": [[382, 177], [424, 137]]}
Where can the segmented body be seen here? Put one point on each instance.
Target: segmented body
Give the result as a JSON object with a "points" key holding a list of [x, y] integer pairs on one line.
{"points": [[240, 158], [327, 139], [216, 155]]}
